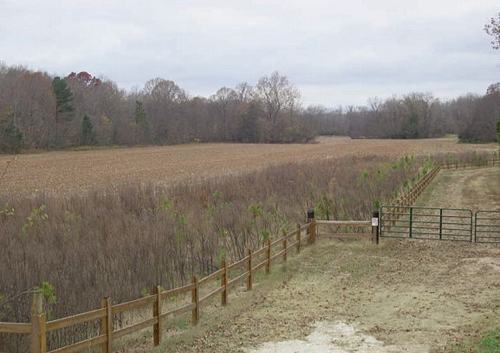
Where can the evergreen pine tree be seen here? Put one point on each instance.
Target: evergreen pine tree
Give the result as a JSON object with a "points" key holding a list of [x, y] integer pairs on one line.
{"points": [[142, 132], [63, 96], [11, 138], [64, 109], [139, 113], [88, 133]]}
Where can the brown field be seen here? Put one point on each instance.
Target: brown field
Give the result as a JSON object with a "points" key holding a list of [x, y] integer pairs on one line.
{"points": [[64, 172]]}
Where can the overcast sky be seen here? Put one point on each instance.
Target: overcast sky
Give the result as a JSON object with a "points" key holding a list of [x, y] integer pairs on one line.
{"points": [[335, 52]]}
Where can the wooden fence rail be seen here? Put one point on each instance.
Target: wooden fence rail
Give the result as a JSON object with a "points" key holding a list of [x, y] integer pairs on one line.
{"points": [[478, 163], [361, 224], [409, 197], [39, 328]]}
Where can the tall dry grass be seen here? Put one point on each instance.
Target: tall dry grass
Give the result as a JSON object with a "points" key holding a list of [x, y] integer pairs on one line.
{"points": [[119, 242]]}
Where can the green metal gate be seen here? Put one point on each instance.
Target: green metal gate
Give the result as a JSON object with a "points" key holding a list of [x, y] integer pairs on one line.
{"points": [[487, 226], [426, 223]]}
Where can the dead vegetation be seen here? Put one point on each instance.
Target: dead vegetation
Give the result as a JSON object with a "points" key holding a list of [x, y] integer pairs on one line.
{"points": [[119, 243]]}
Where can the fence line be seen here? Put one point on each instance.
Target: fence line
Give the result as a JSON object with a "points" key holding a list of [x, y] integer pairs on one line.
{"points": [[39, 328], [408, 198], [478, 163]]}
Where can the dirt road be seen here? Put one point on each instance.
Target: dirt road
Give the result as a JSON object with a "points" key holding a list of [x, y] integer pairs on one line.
{"points": [[410, 295], [352, 296]]}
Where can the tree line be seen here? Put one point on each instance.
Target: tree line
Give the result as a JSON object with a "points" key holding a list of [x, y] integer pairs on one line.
{"points": [[39, 111], [416, 115]]}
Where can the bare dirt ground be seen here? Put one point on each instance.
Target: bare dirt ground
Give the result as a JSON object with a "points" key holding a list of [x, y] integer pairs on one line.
{"points": [[352, 296], [64, 172]]}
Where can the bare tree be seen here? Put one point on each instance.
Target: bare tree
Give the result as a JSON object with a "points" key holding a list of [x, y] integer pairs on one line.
{"points": [[482, 126], [37, 109], [224, 100], [493, 29], [422, 114], [276, 94], [244, 92], [458, 113], [494, 88], [164, 91], [27, 98], [161, 98]]}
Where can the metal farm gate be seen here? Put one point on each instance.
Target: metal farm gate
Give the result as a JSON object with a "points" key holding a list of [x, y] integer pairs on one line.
{"points": [[426, 223], [487, 226]]}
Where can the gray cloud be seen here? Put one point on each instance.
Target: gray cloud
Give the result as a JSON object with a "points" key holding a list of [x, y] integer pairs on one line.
{"points": [[336, 52]]}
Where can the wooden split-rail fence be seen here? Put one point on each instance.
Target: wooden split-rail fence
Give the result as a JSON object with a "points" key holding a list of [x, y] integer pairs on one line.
{"points": [[274, 251], [409, 197], [479, 162], [39, 327]]}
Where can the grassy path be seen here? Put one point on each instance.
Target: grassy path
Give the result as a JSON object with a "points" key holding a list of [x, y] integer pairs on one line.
{"points": [[475, 188]]}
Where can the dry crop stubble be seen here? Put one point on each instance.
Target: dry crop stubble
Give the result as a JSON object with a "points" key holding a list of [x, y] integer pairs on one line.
{"points": [[69, 172]]}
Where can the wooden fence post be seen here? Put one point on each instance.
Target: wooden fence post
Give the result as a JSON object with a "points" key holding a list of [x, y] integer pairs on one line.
{"points": [[375, 227], [157, 328], [223, 282], [268, 263], [298, 238], [36, 310], [312, 226], [249, 269], [284, 246], [107, 326], [43, 333], [195, 313]]}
